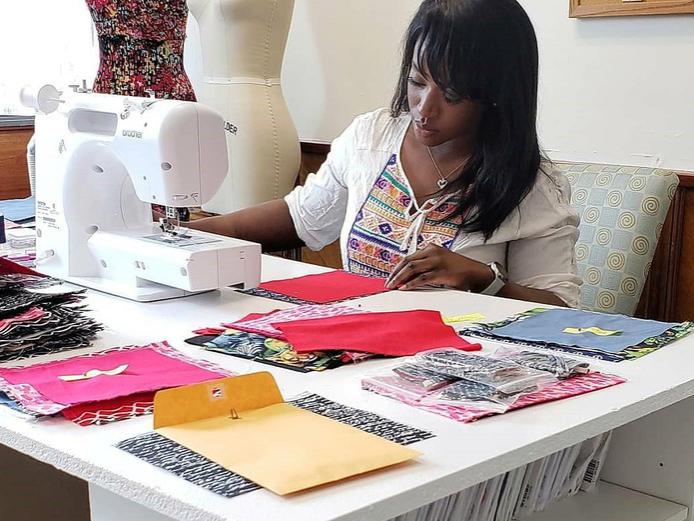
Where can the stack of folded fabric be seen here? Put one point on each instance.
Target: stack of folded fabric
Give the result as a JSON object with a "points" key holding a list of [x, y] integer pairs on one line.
{"points": [[40, 315], [102, 387], [613, 338], [318, 337], [466, 387]]}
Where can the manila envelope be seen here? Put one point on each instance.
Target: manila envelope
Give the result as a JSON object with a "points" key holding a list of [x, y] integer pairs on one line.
{"points": [[243, 424]]}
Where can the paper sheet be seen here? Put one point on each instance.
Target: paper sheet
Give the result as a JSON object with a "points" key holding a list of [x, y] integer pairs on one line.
{"points": [[277, 445]]}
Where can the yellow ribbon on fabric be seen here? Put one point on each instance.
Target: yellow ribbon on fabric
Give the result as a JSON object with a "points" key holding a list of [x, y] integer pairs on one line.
{"points": [[595, 330], [470, 317], [93, 373]]}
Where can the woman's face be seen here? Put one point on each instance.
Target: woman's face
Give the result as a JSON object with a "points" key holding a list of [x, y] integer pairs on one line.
{"points": [[439, 116]]}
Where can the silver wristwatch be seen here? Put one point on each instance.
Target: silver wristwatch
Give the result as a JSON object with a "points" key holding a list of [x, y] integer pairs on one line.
{"points": [[500, 279]]}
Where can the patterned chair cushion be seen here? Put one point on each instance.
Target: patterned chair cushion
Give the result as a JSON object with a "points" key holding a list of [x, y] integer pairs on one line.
{"points": [[622, 213]]}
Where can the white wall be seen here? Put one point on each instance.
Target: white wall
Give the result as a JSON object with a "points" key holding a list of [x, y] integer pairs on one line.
{"points": [[43, 41], [342, 59], [618, 90]]}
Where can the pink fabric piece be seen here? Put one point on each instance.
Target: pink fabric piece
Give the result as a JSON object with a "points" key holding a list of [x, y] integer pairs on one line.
{"points": [[395, 333], [29, 315], [263, 324], [575, 386], [324, 288], [150, 368]]}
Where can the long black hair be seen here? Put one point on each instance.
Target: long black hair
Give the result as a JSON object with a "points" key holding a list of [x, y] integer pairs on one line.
{"points": [[483, 51]]}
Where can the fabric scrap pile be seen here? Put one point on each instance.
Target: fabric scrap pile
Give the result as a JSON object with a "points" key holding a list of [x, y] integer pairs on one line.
{"points": [[40, 315], [316, 337]]}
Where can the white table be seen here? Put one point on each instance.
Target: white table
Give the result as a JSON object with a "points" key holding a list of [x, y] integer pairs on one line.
{"points": [[654, 455]]}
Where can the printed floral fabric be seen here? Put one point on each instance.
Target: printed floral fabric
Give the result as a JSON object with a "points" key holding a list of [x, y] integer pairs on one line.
{"points": [[141, 47], [379, 237], [272, 351]]}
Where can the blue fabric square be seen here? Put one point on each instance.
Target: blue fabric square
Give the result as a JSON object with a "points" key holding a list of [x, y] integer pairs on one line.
{"points": [[9, 402], [18, 209], [549, 326]]}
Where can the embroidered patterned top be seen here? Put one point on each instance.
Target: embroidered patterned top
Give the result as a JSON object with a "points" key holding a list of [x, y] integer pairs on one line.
{"points": [[325, 208], [390, 225], [141, 47]]}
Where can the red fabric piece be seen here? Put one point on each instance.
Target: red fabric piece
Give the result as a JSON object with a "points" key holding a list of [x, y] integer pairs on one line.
{"points": [[7, 267], [209, 331], [108, 411], [399, 333], [325, 288]]}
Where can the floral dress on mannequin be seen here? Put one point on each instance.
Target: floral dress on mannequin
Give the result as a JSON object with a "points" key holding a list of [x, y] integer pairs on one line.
{"points": [[141, 47]]}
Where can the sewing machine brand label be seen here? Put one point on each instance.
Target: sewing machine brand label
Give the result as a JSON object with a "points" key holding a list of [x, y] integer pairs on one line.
{"points": [[180, 240], [233, 129], [132, 133], [47, 214]]}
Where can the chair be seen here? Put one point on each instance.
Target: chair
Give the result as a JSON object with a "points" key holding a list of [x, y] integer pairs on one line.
{"points": [[622, 212]]}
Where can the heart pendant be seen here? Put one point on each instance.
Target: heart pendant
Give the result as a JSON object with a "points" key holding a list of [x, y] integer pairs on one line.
{"points": [[442, 183]]}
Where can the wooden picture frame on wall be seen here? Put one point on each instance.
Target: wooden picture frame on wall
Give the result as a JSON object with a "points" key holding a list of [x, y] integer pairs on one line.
{"points": [[597, 8]]}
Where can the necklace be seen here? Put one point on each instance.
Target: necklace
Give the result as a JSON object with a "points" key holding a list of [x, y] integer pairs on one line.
{"points": [[442, 182]]}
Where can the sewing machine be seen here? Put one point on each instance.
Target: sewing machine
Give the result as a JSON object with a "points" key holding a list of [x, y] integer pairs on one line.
{"points": [[100, 161]]}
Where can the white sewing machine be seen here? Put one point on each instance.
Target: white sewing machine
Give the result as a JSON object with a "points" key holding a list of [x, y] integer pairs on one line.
{"points": [[100, 161]]}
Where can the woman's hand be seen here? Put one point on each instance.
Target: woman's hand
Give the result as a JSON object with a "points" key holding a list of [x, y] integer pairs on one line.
{"points": [[438, 266]]}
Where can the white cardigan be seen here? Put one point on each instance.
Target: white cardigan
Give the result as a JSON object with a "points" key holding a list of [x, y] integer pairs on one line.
{"points": [[541, 233]]}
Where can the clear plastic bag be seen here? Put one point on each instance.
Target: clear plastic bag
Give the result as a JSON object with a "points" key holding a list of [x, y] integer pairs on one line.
{"points": [[423, 378], [506, 377], [413, 384], [466, 393], [560, 366]]}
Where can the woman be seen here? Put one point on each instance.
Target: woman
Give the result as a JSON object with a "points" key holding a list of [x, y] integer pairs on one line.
{"points": [[446, 187]]}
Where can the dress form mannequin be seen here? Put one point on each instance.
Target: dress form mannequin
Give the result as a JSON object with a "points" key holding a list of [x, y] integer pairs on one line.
{"points": [[243, 44], [141, 47]]}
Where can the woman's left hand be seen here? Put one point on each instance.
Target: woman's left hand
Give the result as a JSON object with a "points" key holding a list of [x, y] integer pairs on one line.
{"points": [[438, 266]]}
